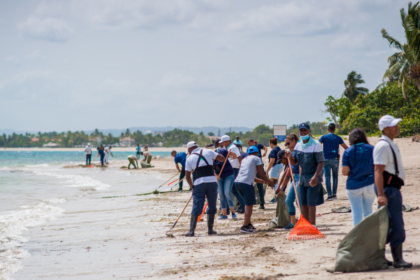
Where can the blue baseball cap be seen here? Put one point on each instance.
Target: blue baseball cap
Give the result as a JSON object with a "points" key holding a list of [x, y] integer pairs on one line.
{"points": [[304, 125], [252, 150]]}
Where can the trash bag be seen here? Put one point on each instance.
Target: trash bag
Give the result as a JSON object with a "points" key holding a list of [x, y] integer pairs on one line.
{"points": [[363, 248], [408, 208], [282, 218], [342, 209]]}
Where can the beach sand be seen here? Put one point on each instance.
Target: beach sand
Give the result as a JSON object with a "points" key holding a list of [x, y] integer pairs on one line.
{"points": [[266, 254]]}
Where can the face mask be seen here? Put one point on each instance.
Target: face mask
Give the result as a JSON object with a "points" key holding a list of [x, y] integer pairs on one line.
{"points": [[306, 137]]}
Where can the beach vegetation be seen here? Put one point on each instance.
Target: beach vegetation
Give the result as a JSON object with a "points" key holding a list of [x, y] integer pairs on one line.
{"points": [[404, 65]]}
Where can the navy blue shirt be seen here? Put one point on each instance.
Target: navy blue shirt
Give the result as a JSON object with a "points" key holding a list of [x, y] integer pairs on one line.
{"points": [[273, 154], [101, 153], [260, 147], [227, 170], [359, 159], [244, 155], [181, 158], [331, 145]]}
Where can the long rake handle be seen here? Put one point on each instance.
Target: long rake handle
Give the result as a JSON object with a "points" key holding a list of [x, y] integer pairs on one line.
{"points": [[294, 185], [182, 211], [221, 170], [168, 180]]}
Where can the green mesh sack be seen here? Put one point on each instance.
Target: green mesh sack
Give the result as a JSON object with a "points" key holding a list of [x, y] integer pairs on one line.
{"points": [[363, 248], [282, 218]]}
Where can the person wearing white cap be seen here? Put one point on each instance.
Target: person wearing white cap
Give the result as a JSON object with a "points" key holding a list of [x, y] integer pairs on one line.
{"points": [[200, 164], [389, 178], [88, 151]]}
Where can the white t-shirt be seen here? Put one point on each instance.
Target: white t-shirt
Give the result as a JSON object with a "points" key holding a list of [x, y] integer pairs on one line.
{"points": [[382, 155], [191, 164], [88, 150], [107, 150], [248, 170], [234, 162]]}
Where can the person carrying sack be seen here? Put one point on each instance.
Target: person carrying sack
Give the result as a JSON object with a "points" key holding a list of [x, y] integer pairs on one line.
{"points": [[389, 178], [200, 164]]}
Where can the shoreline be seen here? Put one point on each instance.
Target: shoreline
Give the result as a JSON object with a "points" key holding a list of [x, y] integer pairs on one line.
{"points": [[114, 149]]}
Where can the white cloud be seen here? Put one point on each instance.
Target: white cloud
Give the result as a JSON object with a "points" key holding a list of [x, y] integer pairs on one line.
{"points": [[49, 29], [154, 14], [291, 19]]}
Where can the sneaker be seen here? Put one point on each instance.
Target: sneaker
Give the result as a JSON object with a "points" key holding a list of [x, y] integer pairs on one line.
{"points": [[179, 191], [330, 198], [246, 229], [240, 211], [289, 226], [273, 200], [222, 217], [261, 207], [233, 216], [251, 227], [334, 196]]}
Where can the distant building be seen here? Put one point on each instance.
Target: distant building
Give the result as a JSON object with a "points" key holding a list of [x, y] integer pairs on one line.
{"points": [[35, 139], [126, 141], [50, 145]]}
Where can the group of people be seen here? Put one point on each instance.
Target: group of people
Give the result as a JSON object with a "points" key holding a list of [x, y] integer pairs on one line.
{"points": [[103, 153], [226, 172]]}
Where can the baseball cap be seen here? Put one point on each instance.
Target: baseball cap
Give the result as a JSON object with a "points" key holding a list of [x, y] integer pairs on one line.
{"points": [[252, 150], [225, 138], [88, 144], [387, 121], [304, 125], [191, 144], [280, 154]]}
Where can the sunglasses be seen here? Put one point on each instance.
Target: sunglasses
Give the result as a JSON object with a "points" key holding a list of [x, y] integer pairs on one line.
{"points": [[287, 144]]}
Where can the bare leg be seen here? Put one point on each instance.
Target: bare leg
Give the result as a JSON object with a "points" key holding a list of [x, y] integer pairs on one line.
{"points": [[293, 219], [248, 213], [232, 210], [312, 214], [224, 211]]}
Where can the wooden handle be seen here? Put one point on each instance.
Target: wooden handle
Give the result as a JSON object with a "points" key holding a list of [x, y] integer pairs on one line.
{"points": [[294, 185], [184, 209], [221, 170], [167, 180]]}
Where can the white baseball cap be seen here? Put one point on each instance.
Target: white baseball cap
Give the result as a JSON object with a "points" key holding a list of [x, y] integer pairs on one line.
{"points": [[224, 138], [191, 144], [387, 121]]}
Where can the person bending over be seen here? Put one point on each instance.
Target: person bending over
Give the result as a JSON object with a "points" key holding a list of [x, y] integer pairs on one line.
{"points": [[133, 161], [250, 166], [180, 158]]}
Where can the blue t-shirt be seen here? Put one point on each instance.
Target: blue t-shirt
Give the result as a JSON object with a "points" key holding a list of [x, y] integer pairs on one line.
{"points": [[331, 145], [227, 170], [244, 155], [181, 158], [359, 159], [101, 153], [260, 147], [273, 154], [138, 149]]}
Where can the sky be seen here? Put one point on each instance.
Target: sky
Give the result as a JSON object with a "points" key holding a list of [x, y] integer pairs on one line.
{"points": [[85, 64]]}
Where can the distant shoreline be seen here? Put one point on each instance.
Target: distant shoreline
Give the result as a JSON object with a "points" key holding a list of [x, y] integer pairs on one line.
{"points": [[116, 149]]}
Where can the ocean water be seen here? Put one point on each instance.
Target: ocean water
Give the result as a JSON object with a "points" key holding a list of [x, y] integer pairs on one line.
{"points": [[48, 212]]}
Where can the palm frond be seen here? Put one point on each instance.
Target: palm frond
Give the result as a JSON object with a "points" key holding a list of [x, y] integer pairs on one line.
{"points": [[392, 42], [393, 69], [404, 86]]}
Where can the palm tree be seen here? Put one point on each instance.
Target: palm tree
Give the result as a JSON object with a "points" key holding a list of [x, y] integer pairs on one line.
{"points": [[404, 64], [351, 84]]}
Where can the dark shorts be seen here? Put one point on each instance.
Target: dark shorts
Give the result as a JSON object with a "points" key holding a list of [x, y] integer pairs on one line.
{"points": [[249, 193], [311, 196]]}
